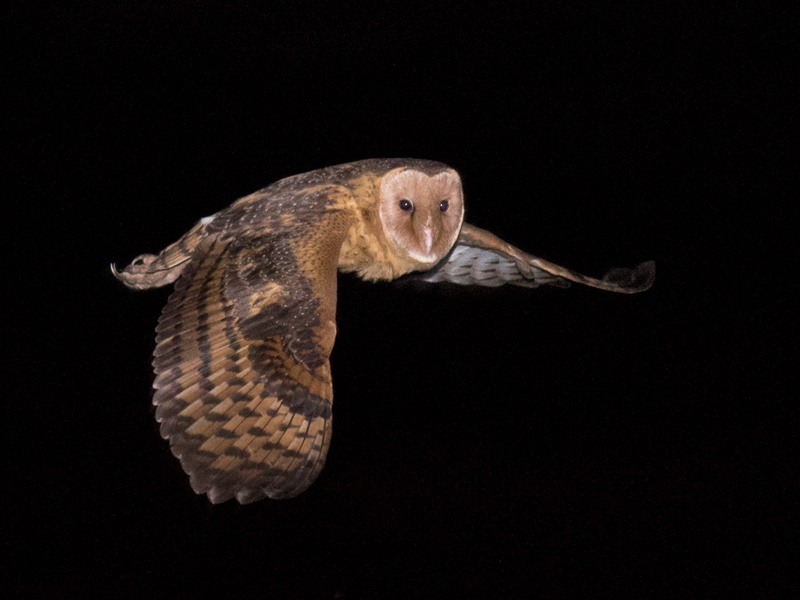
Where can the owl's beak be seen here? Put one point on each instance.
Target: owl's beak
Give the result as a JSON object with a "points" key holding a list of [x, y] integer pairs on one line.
{"points": [[427, 238]]}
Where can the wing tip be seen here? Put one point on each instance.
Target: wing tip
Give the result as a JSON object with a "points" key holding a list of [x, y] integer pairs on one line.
{"points": [[644, 275], [246, 495], [631, 281]]}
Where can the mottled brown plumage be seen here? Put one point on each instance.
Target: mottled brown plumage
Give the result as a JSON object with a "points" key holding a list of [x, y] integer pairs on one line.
{"points": [[243, 383]]}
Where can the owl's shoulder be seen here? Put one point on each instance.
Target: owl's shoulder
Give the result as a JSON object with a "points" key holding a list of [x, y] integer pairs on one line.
{"points": [[296, 205]]}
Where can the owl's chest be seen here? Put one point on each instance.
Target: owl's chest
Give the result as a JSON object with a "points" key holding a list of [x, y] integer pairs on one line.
{"points": [[366, 251]]}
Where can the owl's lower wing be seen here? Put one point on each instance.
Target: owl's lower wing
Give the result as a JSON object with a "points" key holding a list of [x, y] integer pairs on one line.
{"points": [[243, 384], [481, 258]]}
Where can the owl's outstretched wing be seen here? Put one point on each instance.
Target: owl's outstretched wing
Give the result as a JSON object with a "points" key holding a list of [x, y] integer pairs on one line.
{"points": [[243, 383], [243, 379], [481, 258]]}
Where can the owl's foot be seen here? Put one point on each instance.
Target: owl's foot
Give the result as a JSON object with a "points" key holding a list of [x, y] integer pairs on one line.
{"points": [[144, 272]]}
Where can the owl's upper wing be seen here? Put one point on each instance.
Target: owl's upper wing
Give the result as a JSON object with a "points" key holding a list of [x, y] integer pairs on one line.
{"points": [[481, 258], [243, 379]]}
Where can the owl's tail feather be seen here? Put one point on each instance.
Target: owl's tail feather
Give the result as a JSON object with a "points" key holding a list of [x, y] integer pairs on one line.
{"points": [[150, 271]]}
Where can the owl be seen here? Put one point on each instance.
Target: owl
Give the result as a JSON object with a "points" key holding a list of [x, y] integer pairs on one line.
{"points": [[243, 385]]}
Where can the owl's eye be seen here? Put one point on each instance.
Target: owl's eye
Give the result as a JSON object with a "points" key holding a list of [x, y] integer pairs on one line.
{"points": [[405, 204], [444, 205]]}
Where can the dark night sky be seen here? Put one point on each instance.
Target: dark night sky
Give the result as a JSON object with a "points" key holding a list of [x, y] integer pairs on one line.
{"points": [[499, 443]]}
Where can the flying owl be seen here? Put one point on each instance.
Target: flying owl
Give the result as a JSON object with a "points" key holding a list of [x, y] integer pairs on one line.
{"points": [[243, 381]]}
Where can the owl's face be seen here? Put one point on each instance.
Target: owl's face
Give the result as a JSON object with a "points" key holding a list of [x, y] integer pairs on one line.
{"points": [[421, 214]]}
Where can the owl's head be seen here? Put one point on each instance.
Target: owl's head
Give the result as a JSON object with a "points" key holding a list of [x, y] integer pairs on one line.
{"points": [[421, 214]]}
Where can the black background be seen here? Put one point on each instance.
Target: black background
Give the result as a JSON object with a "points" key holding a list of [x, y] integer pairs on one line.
{"points": [[499, 443]]}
